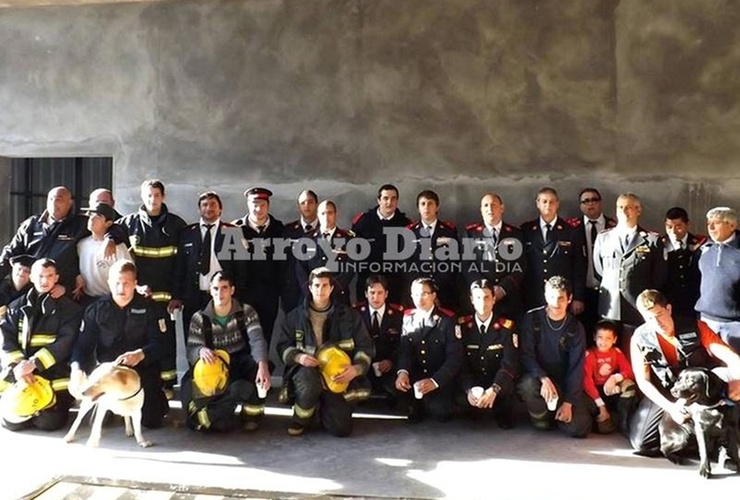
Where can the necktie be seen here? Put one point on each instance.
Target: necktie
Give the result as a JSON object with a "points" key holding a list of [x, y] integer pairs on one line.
{"points": [[483, 329], [261, 229], [205, 251], [429, 230], [308, 228], [376, 324], [548, 233], [593, 231], [494, 236], [626, 243], [326, 236], [680, 245]]}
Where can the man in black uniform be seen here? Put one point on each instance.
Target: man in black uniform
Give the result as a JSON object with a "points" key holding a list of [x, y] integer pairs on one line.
{"points": [[591, 222], [370, 225], [258, 279], [128, 329], [491, 359], [553, 248], [436, 251], [681, 253], [17, 283], [303, 227], [154, 233], [499, 256], [383, 319], [317, 322], [197, 257], [336, 238], [38, 335], [430, 356]]}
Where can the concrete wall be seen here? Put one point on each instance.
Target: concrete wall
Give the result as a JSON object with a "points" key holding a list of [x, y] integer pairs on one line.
{"points": [[343, 95]]}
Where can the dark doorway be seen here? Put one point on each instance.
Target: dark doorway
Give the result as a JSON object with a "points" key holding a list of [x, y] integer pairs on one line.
{"points": [[32, 178]]}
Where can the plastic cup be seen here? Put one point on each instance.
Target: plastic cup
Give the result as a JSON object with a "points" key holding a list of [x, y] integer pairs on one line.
{"points": [[376, 369], [417, 390], [552, 405], [477, 391], [261, 391]]}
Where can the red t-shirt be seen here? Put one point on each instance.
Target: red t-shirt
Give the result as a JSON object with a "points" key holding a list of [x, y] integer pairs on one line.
{"points": [[599, 366]]}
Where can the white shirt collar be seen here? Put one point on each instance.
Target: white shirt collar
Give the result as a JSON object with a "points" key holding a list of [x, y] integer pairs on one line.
{"points": [[486, 323], [496, 227], [256, 226], [433, 224], [330, 231], [383, 217], [380, 310], [544, 224], [425, 315], [203, 224], [600, 220], [314, 223]]}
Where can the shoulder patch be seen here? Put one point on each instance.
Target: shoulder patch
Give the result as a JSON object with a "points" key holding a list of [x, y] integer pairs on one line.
{"points": [[474, 226], [446, 312], [574, 221], [464, 319], [447, 224], [357, 217], [408, 312], [507, 323], [395, 307], [412, 225]]}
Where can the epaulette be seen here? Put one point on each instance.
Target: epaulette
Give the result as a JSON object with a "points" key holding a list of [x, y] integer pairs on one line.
{"points": [[610, 223], [508, 227], [412, 224], [506, 323], [474, 226], [357, 217], [446, 312], [394, 307], [227, 224], [696, 242], [572, 222], [408, 312], [448, 224], [464, 319], [237, 222]]}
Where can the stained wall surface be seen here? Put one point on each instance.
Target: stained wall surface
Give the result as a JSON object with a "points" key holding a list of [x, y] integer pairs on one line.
{"points": [[344, 95]]}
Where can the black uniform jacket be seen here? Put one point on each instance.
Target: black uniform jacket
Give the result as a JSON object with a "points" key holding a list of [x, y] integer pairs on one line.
{"points": [[44, 329], [491, 357], [429, 347]]}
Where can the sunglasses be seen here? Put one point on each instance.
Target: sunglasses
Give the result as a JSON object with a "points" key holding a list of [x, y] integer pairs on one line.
{"points": [[590, 200]]}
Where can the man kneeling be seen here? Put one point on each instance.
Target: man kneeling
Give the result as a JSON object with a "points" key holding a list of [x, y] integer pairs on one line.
{"points": [[320, 324], [228, 355]]}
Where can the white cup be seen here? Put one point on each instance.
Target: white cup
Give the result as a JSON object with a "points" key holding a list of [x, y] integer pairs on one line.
{"points": [[261, 391], [417, 390], [552, 405], [477, 391], [376, 369]]}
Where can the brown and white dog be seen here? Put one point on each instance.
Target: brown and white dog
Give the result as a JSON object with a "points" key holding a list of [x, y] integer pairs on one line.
{"points": [[110, 387]]}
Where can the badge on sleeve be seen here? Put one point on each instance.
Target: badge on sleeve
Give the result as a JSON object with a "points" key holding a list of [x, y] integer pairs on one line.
{"points": [[162, 325]]}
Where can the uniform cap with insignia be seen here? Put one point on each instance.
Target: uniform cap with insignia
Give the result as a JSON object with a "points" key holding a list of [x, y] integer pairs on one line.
{"points": [[24, 260], [258, 193]]}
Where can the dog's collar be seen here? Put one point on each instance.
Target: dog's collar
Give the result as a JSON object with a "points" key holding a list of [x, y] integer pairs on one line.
{"points": [[133, 395]]}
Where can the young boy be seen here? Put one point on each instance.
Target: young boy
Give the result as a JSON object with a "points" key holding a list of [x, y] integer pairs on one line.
{"points": [[608, 380]]}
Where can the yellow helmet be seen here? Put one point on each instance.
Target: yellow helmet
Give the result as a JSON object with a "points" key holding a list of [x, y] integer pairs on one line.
{"points": [[23, 400], [333, 361], [211, 378]]}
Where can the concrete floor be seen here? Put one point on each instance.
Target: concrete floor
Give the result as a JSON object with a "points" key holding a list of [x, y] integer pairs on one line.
{"points": [[384, 457]]}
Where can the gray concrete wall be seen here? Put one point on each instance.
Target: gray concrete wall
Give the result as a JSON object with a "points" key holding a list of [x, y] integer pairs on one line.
{"points": [[343, 95]]}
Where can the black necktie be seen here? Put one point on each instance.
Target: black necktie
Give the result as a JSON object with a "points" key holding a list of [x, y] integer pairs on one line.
{"points": [[680, 245], [308, 228], [376, 324], [626, 242], [205, 251], [593, 232], [548, 233], [482, 328], [261, 229]]}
